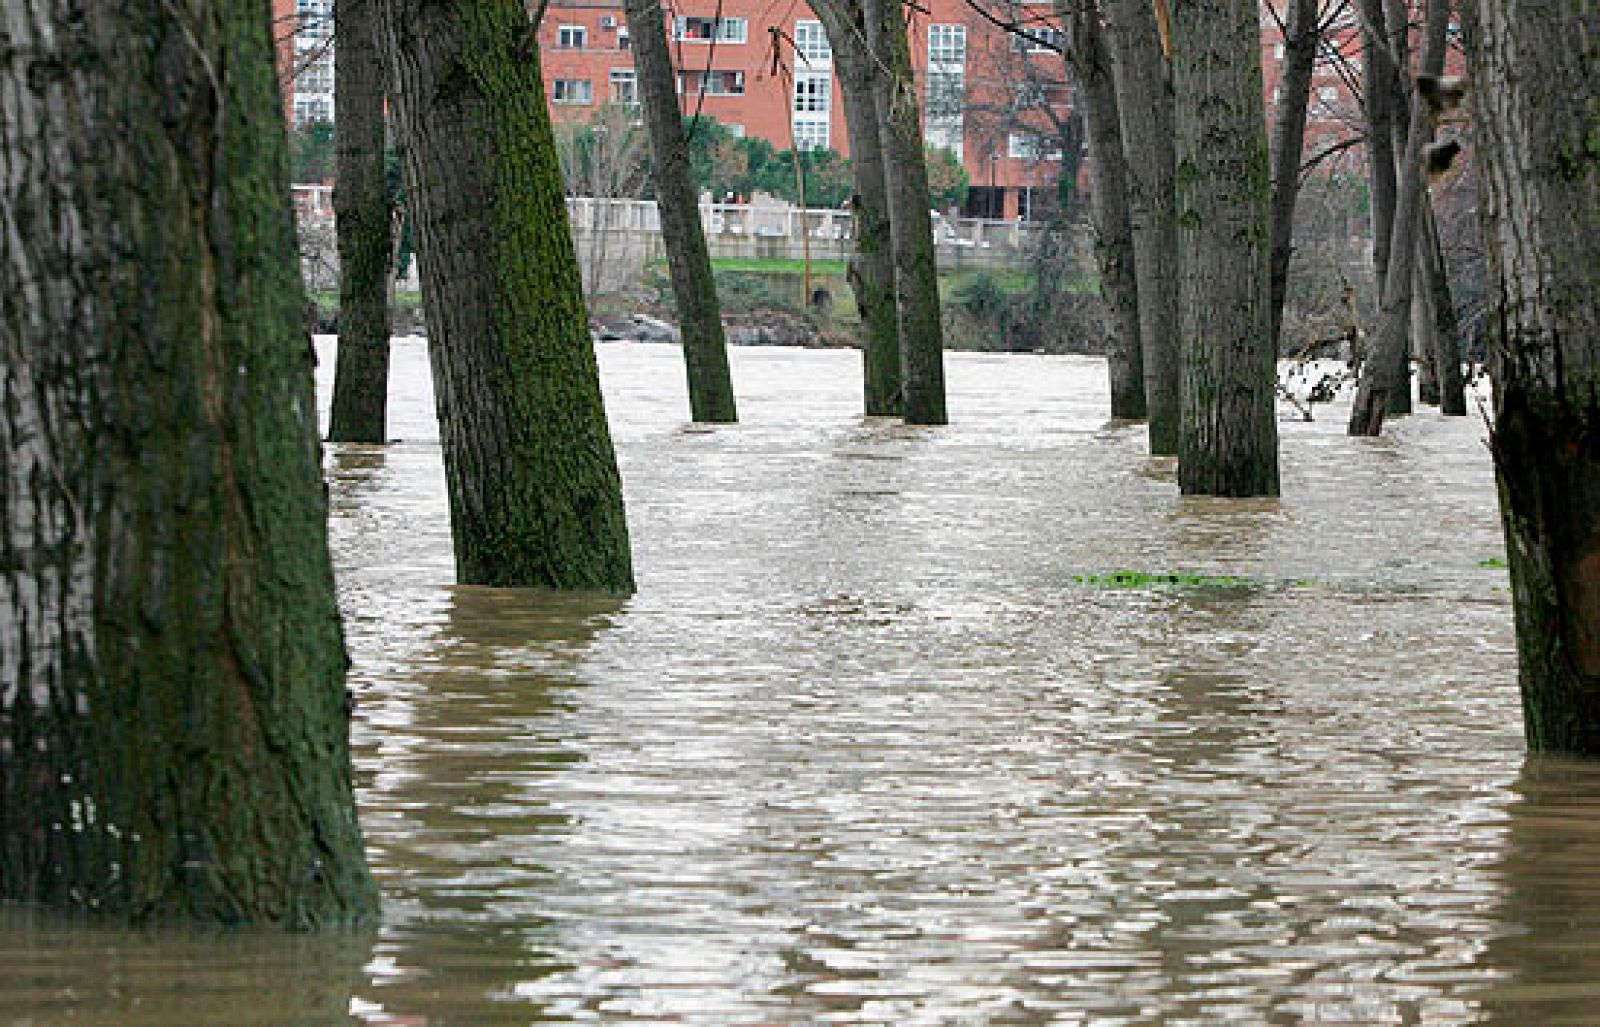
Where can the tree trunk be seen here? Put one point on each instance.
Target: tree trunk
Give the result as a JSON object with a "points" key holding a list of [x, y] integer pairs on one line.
{"points": [[1108, 211], [705, 350], [916, 269], [1144, 106], [1300, 38], [1424, 327], [1386, 372], [871, 269], [361, 205], [1230, 428], [1536, 68], [1447, 326], [1379, 91], [173, 728], [535, 499]]}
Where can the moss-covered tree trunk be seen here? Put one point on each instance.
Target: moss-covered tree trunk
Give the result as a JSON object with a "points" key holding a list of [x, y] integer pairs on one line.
{"points": [[871, 267], [173, 727], [1090, 63], [1535, 67], [1229, 445], [366, 246], [705, 349], [916, 268], [1301, 35], [1386, 371], [1144, 106], [535, 498]]}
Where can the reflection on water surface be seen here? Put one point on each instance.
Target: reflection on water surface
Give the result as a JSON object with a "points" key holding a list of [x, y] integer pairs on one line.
{"points": [[874, 743]]}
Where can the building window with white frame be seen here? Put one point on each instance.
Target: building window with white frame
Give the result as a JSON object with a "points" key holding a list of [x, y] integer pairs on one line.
{"points": [[811, 44], [811, 133], [572, 37], [947, 44], [710, 30], [947, 86], [572, 90], [624, 86], [1032, 146], [813, 93], [711, 83]]}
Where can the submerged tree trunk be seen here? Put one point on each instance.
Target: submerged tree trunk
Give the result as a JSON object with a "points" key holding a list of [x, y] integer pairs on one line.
{"points": [[365, 227], [173, 729], [916, 269], [1536, 71], [1447, 326], [871, 268], [1113, 227], [1386, 372], [1144, 106], [705, 350], [1300, 38], [1229, 445], [535, 498]]}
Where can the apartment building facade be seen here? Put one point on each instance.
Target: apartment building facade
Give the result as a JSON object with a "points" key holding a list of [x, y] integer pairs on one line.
{"points": [[764, 68]]}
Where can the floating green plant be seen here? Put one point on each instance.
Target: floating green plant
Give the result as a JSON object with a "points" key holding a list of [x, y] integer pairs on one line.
{"points": [[1142, 579]]}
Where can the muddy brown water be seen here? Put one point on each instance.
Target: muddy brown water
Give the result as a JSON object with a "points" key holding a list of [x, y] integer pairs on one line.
{"points": [[876, 741]]}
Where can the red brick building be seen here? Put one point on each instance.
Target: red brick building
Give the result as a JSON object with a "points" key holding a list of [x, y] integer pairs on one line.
{"points": [[764, 68]]}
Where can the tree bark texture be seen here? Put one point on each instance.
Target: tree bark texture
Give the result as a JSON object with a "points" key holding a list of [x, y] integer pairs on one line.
{"points": [[1385, 386], [173, 727], [365, 228], [1229, 444], [1300, 38], [1447, 325], [1379, 89], [705, 348], [1108, 209], [535, 497], [1535, 69], [871, 268], [916, 268], [1144, 106]]}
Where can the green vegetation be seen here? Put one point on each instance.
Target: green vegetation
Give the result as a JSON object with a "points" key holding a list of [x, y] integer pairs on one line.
{"points": [[1494, 563], [311, 152], [1142, 579], [756, 265]]}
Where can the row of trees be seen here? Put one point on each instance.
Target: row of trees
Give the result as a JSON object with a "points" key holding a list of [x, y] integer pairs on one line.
{"points": [[173, 722]]}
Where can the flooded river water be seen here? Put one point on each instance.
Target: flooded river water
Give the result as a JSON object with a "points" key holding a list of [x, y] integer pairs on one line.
{"points": [[877, 742]]}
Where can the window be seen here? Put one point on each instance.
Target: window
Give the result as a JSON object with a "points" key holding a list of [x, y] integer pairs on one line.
{"points": [[316, 77], [572, 37], [734, 129], [711, 83], [706, 30], [947, 44], [1327, 94], [572, 90], [1030, 146], [811, 43], [315, 18], [1039, 39], [312, 108], [810, 134], [813, 93], [947, 94], [624, 85]]}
